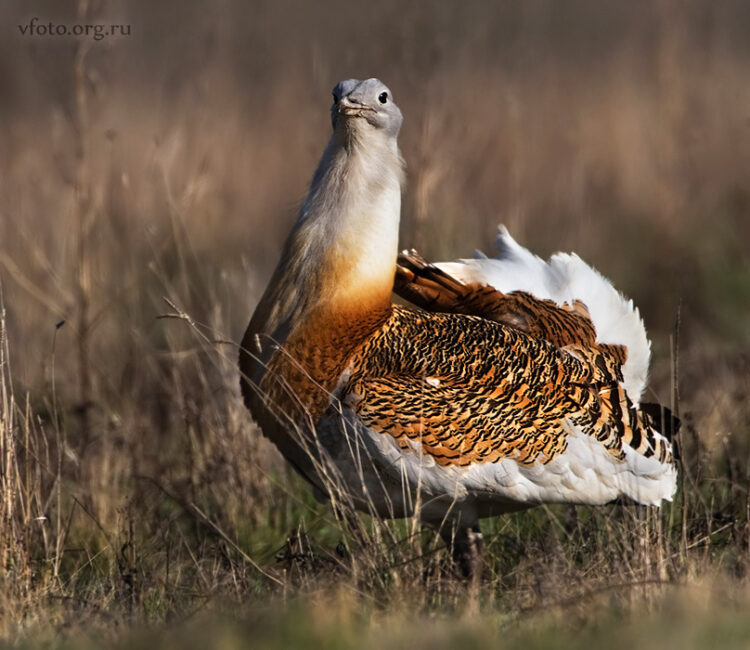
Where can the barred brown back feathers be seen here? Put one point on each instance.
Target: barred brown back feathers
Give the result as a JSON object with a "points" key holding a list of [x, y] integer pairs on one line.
{"points": [[570, 326], [615, 421]]}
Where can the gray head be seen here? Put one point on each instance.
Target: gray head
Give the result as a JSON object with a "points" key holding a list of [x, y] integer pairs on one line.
{"points": [[358, 103]]}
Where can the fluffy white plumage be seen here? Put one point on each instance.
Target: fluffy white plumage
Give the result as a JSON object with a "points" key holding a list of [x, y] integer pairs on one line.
{"points": [[397, 484], [564, 279]]}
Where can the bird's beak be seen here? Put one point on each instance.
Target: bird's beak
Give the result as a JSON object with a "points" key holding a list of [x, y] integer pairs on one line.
{"points": [[348, 106]]}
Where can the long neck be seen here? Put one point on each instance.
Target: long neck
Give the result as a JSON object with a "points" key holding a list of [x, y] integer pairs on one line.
{"points": [[341, 254]]}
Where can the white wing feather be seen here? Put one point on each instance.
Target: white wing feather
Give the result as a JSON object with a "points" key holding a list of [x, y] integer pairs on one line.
{"points": [[564, 279]]}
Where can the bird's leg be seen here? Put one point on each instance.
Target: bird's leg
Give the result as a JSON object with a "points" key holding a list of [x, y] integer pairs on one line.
{"points": [[349, 520], [467, 549]]}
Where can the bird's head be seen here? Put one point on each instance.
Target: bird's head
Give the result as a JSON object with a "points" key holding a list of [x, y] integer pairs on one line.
{"points": [[365, 105]]}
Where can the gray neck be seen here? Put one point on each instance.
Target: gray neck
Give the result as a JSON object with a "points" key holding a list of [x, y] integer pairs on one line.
{"points": [[342, 249]]}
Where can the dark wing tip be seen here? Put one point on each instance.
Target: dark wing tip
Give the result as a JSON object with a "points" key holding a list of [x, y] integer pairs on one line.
{"points": [[664, 421]]}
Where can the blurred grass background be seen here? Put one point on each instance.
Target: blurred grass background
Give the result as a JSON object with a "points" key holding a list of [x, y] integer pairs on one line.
{"points": [[170, 163]]}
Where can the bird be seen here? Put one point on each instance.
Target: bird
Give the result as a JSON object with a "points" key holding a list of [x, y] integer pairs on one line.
{"points": [[505, 383]]}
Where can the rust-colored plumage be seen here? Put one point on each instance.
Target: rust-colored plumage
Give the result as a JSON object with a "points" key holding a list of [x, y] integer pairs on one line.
{"points": [[567, 326], [470, 390], [584, 387]]}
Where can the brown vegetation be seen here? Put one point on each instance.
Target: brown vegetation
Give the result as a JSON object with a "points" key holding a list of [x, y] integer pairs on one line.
{"points": [[134, 487]]}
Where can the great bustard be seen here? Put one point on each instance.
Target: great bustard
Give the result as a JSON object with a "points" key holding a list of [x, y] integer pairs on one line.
{"points": [[517, 383]]}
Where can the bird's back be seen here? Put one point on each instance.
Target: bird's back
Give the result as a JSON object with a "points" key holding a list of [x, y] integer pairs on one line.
{"points": [[466, 406]]}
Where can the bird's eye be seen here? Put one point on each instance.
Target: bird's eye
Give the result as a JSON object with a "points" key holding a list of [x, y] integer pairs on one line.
{"points": [[383, 98], [335, 99]]}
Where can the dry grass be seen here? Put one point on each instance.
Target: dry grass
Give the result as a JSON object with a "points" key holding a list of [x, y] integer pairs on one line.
{"points": [[134, 489]]}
